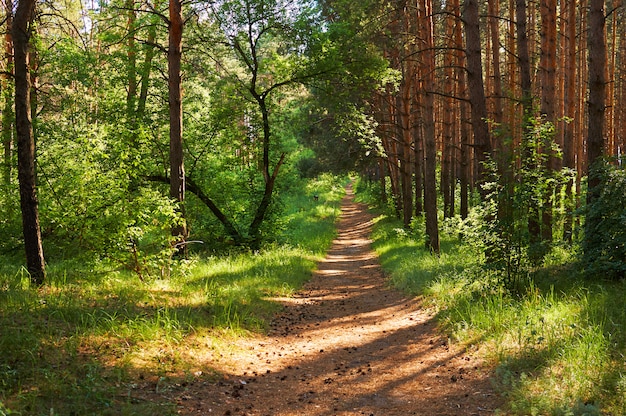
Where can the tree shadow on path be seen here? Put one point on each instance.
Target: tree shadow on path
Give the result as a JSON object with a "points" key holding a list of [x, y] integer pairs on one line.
{"points": [[347, 344]]}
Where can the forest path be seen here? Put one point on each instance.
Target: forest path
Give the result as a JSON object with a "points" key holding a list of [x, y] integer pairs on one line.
{"points": [[347, 344]]}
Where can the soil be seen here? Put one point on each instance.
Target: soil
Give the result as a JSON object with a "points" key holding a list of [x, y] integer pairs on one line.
{"points": [[347, 344]]}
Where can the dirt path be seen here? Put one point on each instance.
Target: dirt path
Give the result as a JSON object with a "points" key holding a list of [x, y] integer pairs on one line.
{"points": [[347, 345]]}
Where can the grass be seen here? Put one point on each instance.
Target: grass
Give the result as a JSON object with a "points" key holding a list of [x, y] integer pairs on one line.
{"points": [[89, 340], [557, 344]]}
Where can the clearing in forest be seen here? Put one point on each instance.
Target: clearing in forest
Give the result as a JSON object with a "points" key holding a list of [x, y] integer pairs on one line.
{"points": [[346, 344]]}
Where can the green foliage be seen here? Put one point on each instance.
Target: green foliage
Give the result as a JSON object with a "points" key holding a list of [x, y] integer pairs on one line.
{"points": [[520, 188], [604, 244]]}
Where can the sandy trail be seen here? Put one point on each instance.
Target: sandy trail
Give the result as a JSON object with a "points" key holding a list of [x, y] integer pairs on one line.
{"points": [[347, 344]]}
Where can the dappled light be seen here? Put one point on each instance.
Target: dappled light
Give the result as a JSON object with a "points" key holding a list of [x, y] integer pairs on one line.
{"points": [[347, 344]]}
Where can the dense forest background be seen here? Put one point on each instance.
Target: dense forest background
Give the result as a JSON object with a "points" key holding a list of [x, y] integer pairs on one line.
{"points": [[140, 136], [508, 104]]}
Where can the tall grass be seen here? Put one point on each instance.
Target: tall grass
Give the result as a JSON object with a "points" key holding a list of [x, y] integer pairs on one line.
{"points": [[557, 344], [90, 339]]}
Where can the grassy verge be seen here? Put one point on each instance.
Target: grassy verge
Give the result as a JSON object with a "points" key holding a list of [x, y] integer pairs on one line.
{"points": [[87, 342], [558, 344]]}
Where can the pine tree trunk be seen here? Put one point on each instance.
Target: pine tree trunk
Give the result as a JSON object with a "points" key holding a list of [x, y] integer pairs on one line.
{"points": [[597, 93], [548, 107], [482, 142], [26, 143], [569, 98], [177, 167], [7, 95], [430, 151]]}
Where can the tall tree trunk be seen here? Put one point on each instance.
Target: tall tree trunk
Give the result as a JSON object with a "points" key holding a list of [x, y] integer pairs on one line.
{"points": [[7, 95], [534, 226], [597, 93], [548, 107], [425, 20], [403, 110], [464, 151], [569, 97], [448, 126], [482, 142], [26, 143], [177, 167]]}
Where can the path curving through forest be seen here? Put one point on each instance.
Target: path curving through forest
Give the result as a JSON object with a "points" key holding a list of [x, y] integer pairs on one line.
{"points": [[347, 344]]}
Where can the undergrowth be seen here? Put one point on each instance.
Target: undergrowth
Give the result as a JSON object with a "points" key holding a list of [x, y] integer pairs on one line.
{"points": [[91, 338], [557, 341]]}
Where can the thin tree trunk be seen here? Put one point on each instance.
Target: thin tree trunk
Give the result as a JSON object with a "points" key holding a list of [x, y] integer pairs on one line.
{"points": [[448, 142], [464, 151], [7, 94], [548, 106], [569, 97], [482, 141], [270, 178], [26, 143]]}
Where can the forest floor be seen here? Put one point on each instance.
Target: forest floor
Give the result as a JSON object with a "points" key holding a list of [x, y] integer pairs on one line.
{"points": [[346, 344]]}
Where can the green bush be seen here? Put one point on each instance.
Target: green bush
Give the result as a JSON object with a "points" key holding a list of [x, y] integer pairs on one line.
{"points": [[604, 244]]}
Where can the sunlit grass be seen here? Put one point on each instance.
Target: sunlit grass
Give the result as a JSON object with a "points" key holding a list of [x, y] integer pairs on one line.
{"points": [[557, 346], [91, 337]]}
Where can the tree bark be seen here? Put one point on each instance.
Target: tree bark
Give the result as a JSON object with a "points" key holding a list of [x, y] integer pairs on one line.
{"points": [[7, 94], [569, 97], [425, 18], [597, 93], [482, 141], [548, 107], [177, 167], [26, 143]]}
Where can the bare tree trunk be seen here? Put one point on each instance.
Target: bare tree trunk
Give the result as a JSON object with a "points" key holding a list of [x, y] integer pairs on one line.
{"points": [[464, 151], [548, 106], [569, 97], [270, 178], [425, 19], [403, 110], [482, 141], [7, 95], [597, 93], [177, 167], [448, 143], [26, 143]]}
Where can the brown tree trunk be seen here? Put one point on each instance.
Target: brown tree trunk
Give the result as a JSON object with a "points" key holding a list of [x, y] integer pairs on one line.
{"points": [[7, 95], [26, 143], [534, 226], [177, 167], [403, 109], [569, 98], [482, 141], [597, 93], [425, 20], [448, 146], [464, 150], [548, 106]]}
